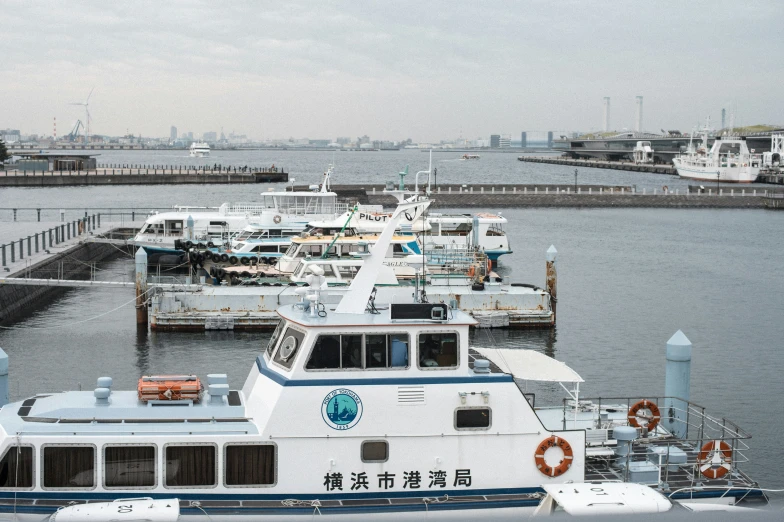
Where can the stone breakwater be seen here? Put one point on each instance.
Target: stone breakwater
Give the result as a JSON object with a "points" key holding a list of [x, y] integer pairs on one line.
{"points": [[492, 197]]}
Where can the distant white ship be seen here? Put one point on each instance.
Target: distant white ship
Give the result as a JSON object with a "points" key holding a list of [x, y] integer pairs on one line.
{"points": [[728, 160], [199, 150]]}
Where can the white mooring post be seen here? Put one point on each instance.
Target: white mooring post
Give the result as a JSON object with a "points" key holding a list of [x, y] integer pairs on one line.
{"points": [[677, 382], [141, 287], [3, 378], [552, 277]]}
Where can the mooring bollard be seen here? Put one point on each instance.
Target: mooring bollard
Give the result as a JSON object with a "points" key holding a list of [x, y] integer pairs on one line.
{"points": [[677, 384], [21, 249], [13, 252], [552, 278], [141, 287]]}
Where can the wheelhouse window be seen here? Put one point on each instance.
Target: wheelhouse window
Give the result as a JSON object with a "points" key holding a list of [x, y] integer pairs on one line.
{"points": [[473, 418], [438, 350], [249, 464], [16, 467], [289, 346], [69, 466], [336, 351], [386, 351], [129, 466], [358, 351], [375, 451], [274, 339], [190, 466]]}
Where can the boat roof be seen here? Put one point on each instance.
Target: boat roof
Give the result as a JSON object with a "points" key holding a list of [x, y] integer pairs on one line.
{"points": [[530, 365], [295, 314], [73, 411], [328, 238], [607, 498]]}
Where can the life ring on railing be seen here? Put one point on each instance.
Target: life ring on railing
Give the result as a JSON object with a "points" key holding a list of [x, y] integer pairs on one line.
{"points": [[471, 271], [715, 459], [489, 265], [653, 418], [276, 219], [544, 447]]}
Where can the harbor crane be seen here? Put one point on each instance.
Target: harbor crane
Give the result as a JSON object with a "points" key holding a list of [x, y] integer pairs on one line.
{"points": [[71, 136], [86, 125]]}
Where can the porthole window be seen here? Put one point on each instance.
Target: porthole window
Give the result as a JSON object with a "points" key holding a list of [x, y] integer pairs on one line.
{"points": [[473, 418], [375, 451]]}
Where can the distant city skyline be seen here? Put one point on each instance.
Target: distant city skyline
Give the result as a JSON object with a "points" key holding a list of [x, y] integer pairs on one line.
{"points": [[272, 71]]}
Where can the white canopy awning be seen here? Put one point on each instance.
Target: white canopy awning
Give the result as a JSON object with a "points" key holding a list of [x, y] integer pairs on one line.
{"points": [[530, 365]]}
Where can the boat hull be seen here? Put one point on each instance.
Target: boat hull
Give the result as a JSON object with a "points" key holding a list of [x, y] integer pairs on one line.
{"points": [[720, 174]]}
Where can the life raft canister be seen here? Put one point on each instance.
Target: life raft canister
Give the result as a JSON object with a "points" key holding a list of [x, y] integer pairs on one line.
{"points": [[653, 418], [547, 444], [715, 459]]}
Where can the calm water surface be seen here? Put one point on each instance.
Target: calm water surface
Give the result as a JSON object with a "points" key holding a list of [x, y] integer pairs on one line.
{"points": [[628, 279]]}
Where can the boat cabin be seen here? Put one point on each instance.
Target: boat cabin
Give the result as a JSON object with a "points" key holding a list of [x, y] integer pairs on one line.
{"points": [[346, 246]]}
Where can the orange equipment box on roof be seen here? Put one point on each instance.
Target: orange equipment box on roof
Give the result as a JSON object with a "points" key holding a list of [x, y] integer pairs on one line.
{"points": [[169, 388]]}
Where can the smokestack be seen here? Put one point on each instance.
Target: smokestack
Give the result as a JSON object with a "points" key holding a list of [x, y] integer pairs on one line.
{"points": [[638, 122], [723, 118], [606, 104]]}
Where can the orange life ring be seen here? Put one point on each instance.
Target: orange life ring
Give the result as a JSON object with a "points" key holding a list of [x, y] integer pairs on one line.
{"points": [[544, 446], [471, 271], [715, 459], [653, 419], [276, 219], [489, 265]]}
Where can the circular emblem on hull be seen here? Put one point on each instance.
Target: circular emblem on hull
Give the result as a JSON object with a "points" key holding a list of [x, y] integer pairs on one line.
{"points": [[341, 409]]}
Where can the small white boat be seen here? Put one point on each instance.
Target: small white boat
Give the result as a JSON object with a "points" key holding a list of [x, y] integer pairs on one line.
{"points": [[469, 157], [144, 509], [199, 150]]}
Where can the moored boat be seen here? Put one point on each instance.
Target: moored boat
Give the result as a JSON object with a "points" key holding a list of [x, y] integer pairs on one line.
{"points": [[364, 409], [728, 160]]}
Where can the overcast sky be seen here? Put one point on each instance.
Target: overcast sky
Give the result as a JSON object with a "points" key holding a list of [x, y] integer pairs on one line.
{"points": [[392, 69]]}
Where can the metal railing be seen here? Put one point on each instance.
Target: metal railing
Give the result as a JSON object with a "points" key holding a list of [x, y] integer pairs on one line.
{"points": [[35, 243], [699, 427]]}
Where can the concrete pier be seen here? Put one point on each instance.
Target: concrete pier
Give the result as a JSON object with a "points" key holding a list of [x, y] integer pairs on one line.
{"points": [[614, 165], [569, 196], [140, 175], [63, 259]]}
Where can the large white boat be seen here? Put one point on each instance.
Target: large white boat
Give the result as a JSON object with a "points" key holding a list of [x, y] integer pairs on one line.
{"points": [[482, 230], [280, 213], [728, 160], [358, 411], [199, 150]]}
